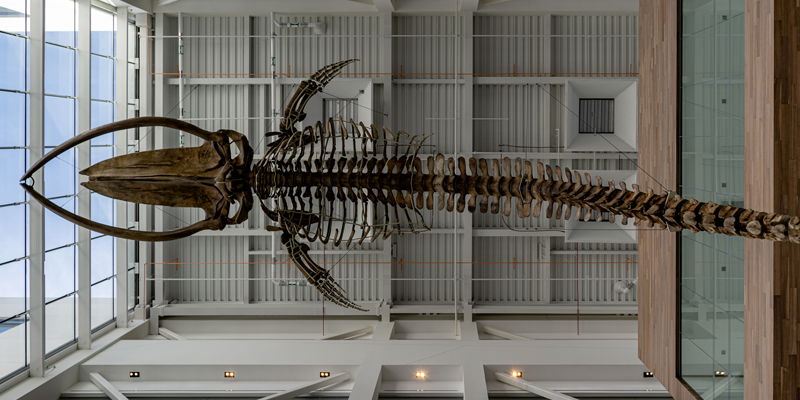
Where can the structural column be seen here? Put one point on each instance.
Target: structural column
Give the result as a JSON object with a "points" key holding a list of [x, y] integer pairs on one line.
{"points": [[658, 152], [84, 161], [121, 262], [772, 154], [36, 210]]}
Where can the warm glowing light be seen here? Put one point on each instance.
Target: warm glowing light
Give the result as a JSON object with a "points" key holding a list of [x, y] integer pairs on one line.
{"points": [[134, 374], [229, 374], [648, 374], [324, 374], [516, 374], [420, 374]]}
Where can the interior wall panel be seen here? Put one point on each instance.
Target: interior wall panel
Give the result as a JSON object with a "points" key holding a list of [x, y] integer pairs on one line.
{"points": [[431, 54], [219, 56], [520, 50], [523, 281], [431, 268], [585, 45]]}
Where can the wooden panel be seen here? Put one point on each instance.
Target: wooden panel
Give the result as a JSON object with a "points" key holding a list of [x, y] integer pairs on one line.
{"points": [[772, 165], [658, 33]]}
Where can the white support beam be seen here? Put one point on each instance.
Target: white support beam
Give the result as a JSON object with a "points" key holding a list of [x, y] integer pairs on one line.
{"points": [[308, 388], [146, 142], [121, 262], [474, 382], [84, 85], [163, 47], [349, 335], [384, 6], [383, 331], [466, 127], [503, 334], [470, 5], [469, 331], [368, 383], [529, 387], [106, 387], [170, 334], [36, 210], [387, 65]]}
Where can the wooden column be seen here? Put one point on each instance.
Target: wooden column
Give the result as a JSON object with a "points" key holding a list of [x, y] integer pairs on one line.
{"points": [[658, 86], [772, 170]]}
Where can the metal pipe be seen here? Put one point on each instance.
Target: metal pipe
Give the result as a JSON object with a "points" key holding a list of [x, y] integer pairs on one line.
{"points": [[180, 71], [456, 63]]}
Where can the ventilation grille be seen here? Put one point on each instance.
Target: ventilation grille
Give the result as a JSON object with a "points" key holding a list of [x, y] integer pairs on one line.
{"points": [[597, 116]]}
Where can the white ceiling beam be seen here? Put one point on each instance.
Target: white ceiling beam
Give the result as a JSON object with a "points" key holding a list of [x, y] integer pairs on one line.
{"points": [[368, 382], [106, 387], [529, 387], [385, 5], [469, 5], [137, 5], [349, 335], [308, 388], [502, 334], [170, 334], [474, 382]]}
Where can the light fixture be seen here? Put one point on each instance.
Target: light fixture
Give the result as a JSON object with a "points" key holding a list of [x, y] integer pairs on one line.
{"points": [[324, 374], [516, 374], [229, 374], [420, 374], [134, 374], [648, 374], [720, 373]]}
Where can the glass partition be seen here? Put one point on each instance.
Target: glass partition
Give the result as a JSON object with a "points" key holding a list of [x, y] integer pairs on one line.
{"points": [[711, 327]]}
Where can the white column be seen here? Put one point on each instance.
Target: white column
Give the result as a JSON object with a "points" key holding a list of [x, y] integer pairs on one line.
{"points": [[146, 142], [161, 110], [84, 161], [368, 383], [121, 302], [467, 150], [387, 64], [475, 381], [36, 210]]}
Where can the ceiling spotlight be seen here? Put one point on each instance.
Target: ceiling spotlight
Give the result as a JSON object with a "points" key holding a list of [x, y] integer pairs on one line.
{"points": [[134, 374], [229, 374], [720, 373], [648, 374], [420, 374], [324, 374], [516, 374]]}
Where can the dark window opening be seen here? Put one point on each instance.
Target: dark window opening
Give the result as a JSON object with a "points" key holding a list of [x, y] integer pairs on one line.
{"points": [[596, 116]]}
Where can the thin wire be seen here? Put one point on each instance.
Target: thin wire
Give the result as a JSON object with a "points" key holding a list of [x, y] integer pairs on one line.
{"points": [[612, 145], [272, 121], [138, 142], [371, 109]]}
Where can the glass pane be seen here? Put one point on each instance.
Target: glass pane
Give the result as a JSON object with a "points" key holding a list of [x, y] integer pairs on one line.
{"points": [[12, 69], [12, 290], [58, 231], [13, 19], [60, 326], [12, 163], [132, 42], [60, 175], [102, 258], [59, 120], [13, 335], [131, 83], [102, 32], [12, 113], [102, 78], [13, 233], [59, 22], [103, 302], [102, 113], [59, 269], [59, 69]]}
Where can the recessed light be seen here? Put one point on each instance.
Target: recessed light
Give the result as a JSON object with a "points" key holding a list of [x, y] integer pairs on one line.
{"points": [[720, 373], [324, 374], [420, 374], [648, 374], [516, 374], [229, 374], [134, 374]]}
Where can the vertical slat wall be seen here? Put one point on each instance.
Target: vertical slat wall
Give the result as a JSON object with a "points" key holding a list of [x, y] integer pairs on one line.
{"points": [[214, 267], [433, 276], [306, 52], [525, 282], [213, 57], [425, 57], [523, 47], [424, 109], [585, 45], [521, 118], [658, 119]]}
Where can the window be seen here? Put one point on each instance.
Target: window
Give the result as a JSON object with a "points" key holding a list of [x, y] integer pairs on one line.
{"points": [[596, 116]]}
